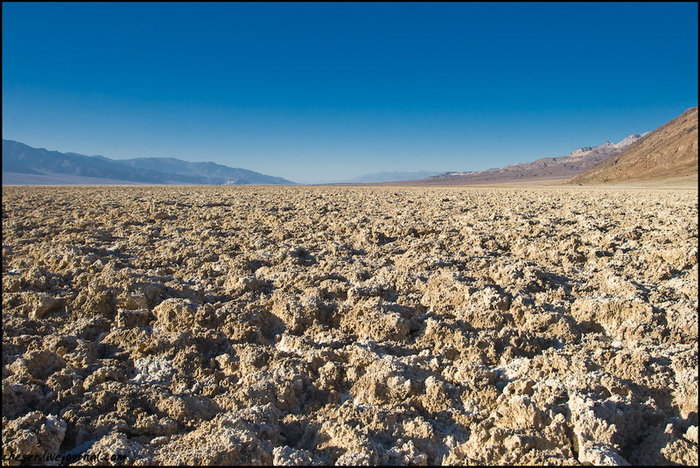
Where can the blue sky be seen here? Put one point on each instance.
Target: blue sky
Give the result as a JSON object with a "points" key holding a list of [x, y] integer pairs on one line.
{"points": [[326, 92]]}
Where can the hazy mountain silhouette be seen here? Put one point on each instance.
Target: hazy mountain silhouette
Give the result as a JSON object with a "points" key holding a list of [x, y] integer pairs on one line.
{"points": [[22, 164], [391, 176]]}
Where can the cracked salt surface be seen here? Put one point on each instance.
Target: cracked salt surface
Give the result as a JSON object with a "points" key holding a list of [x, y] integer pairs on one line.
{"points": [[351, 325]]}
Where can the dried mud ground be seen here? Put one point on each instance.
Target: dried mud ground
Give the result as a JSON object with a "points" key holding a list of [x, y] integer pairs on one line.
{"points": [[351, 325]]}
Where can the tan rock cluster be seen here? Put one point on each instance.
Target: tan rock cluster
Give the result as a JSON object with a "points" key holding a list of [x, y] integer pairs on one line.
{"points": [[341, 325]]}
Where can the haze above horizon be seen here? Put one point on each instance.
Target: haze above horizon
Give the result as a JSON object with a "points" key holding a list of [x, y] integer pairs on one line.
{"points": [[327, 92]]}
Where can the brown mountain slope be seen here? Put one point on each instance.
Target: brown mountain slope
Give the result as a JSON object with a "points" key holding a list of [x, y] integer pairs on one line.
{"points": [[669, 151], [542, 170]]}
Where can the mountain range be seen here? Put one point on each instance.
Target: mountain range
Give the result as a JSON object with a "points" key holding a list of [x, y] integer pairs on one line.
{"points": [[669, 152], [555, 168], [24, 165], [390, 176]]}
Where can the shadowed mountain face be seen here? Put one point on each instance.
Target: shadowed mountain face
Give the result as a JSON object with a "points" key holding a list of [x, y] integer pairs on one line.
{"points": [[22, 164], [670, 151], [560, 168]]}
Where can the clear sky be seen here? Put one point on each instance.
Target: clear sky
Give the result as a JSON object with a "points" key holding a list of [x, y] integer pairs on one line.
{"points": [[326, 92]]}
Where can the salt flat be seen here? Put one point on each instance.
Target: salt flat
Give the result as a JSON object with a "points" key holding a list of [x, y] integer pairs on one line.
{"points": [[352, 325]]}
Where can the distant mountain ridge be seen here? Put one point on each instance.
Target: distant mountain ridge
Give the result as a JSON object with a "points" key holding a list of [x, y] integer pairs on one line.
{"points": [[564, 167], [670, 151], [390, 176], [22, 164]]}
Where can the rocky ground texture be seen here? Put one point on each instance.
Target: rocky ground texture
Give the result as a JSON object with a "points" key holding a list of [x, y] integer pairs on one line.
{"points": [[322, 325]]}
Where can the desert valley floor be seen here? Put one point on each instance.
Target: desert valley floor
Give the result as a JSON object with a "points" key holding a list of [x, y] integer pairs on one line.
{"points": [[351, 325]]}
